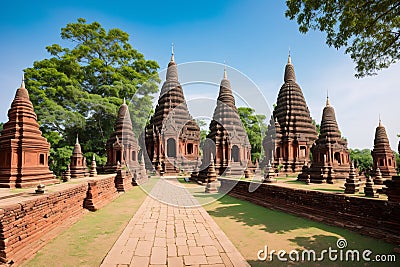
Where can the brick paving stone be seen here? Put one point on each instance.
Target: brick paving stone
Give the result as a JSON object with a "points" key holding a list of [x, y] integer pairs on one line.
{"points": [[181, 234], [196, 251], [175, 262], [172, 250], [158, 255]]}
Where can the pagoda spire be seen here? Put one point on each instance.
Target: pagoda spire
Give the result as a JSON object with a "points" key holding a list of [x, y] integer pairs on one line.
{"points": [[23, 81], [289, 71], [172, 53], [225, 75]]}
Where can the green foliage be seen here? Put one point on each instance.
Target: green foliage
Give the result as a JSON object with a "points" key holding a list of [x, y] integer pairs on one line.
{"points": [[397, 155], [1, 126], [362, 160], [317, 126], [369, 30], [255, 126], [60, 157], [81, 86], [203, 131]]}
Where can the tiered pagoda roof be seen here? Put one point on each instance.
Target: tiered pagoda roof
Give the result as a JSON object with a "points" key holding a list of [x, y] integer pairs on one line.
{"points": [[23, 150]]}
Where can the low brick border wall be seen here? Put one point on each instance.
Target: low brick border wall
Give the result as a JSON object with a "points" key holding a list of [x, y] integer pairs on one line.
{"points": [[368, 216], [25, 219]]}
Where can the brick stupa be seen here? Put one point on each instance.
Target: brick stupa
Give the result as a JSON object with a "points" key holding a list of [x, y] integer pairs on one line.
{"points": [[383, 155], [78, 162], [331, 159], [231, 145], [23, 150], [172, 136], [290, 133], [122, 146]]}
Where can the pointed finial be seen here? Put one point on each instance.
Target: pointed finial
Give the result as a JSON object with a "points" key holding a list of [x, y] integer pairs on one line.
{"points": [[328, 104], [172, 53], [77, 140], [225, 75], [380, 121], [289, 61], [93, 157], [124, 101], [23, 80]]}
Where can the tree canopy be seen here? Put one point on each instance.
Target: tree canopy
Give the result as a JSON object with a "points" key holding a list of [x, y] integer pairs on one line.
{"points": [[79, 88], [255, 126], [362, 160], [368, 30]]}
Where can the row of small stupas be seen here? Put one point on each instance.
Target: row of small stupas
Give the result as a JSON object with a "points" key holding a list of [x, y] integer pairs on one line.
{"points": [[24, 151], [291, 138], [172, 137]]}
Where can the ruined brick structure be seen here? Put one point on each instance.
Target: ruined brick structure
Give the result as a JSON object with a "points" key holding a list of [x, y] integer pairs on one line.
{"points": [[78, 162], [382, 154], [122, 146], [172, 137], [23, 150], [331, 159], [227, 139], [290, 132]]}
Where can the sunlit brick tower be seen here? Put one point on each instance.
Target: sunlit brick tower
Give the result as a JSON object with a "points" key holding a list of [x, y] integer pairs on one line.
{"points": [[122, 146], [230, 143], [291, 133], [78, 162], [23, 150], [331, 159], [382, 154], [172, 137]]}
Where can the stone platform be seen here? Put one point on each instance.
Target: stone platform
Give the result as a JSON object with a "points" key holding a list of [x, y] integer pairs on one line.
{"points": [[172, 229]]}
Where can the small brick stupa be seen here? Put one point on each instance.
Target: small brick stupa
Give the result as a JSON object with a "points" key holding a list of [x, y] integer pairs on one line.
{"points": [[172, 136], [331, 159], [122, 146], [23, 150], [78, 162], [290, 133], [383, 155], [231, 145]]}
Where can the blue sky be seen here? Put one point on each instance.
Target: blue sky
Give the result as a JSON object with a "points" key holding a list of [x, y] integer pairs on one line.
{"points": [[251, 36]]}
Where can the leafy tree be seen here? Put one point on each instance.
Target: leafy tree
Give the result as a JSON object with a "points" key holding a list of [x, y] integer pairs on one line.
{"points": [[362, 160], [255, 126], [1, 126], [317, 126], [369, 30], [81, 86], [203, 131]]}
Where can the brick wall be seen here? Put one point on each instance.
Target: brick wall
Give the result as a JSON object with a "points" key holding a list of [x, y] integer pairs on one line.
{"points": [[28, 221], [374, 217], [100, 192]]}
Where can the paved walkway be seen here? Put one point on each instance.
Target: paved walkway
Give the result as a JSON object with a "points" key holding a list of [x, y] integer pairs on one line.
{"points": [[172, 235]]}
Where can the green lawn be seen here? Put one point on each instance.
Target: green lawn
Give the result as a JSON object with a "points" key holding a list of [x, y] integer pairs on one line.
{"points": [[251, 227], [88, 241]]}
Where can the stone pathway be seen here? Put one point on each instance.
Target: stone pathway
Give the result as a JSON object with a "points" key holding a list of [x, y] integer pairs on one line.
{"points": [[172, 235]]}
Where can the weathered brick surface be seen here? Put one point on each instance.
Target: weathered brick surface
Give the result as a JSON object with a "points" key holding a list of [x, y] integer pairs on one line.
{"points": [[368, 216], [100, 192], [27, 220]]}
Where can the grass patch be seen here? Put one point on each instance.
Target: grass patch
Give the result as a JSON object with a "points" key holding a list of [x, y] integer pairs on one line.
{"points": [[87, 242], [251, 227]]}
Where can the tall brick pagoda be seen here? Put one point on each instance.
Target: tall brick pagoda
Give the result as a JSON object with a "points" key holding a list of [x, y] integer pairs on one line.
{"points": [[122, 146], [331, 159], [23, 150], [78, 162], [291, 133], [231, 145], [172, 137], [382, 154]]}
